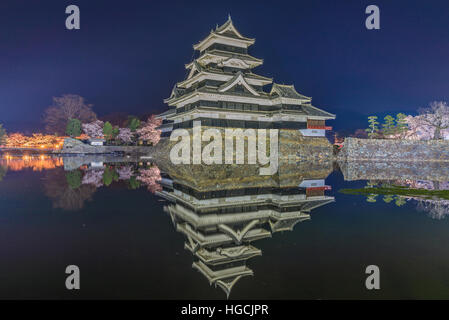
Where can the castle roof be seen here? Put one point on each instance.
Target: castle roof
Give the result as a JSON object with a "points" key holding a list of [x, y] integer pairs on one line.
{"points": [[226, 33], [287, 91]]}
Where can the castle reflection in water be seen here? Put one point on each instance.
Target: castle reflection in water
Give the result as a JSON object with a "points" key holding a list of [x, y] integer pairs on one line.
{"points": [[222, 210], [222, 213]]}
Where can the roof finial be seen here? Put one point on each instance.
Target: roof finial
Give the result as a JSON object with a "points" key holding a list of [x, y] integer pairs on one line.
{"points": [[229, 17]]}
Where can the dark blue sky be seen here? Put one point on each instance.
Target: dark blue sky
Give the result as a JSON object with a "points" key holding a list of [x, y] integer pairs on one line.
{"points": [[128, 54]]}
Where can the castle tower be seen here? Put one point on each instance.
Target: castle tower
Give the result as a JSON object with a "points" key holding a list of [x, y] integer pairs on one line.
{"points": [[221, 90]]}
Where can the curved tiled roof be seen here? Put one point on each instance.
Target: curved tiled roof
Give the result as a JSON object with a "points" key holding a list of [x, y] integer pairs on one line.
{"points": [[287, 91]]}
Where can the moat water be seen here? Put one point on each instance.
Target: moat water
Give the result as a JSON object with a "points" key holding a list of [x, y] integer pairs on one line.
{"points": [[137, 229]]}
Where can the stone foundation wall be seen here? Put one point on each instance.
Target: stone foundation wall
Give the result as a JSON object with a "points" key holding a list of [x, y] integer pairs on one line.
{"points": [[73, 146], [293, 146], [394, 150], [394, 170]]}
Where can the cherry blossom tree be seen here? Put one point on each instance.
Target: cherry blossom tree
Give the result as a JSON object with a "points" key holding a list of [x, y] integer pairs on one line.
{"points": [[431, 123], [94, 129], [417, 130], [16, 139], [37, 140], [148, 132], [125, 135]]}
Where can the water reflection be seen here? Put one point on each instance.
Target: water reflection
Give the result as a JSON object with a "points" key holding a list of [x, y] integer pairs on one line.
{"points": [[34, 162], [64, 191], [224, 212], [70, 188], [221, 220], [424, 183]]}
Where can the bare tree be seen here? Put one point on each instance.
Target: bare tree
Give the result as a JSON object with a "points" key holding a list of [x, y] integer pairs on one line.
{"points": [[435, 117], [56, 187], [69, 106]]}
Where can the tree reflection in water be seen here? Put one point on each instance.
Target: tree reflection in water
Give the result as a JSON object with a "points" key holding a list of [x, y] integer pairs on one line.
{"points": [[432, 197], [436, 209], [34, 162], [150, 177], [3, 170], [64, 196], [69, 190]]}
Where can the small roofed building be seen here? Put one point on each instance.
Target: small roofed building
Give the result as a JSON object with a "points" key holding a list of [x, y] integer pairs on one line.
{"points": [[221, 90], [96, 141]]}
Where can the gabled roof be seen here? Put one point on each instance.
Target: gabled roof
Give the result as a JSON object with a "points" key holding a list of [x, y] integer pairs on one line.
{"points": [[221, 255], [195, 67], [287, 91], [224, 278], [164, 115], [225, 31], [229, 29], [238, 79], [175, 93], [314, 111]]}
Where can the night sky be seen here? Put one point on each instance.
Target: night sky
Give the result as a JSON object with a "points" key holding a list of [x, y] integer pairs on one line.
{"points": [[128, 54]]}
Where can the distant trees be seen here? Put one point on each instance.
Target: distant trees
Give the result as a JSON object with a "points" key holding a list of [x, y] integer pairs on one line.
{"points": [[16, 139], [73, 128], [125, 135], [94, 129], [71, 115], [360, 133], [401, 125], [149, 132], [69, 106], [133, 123], [37, 140], [2, 135], [373, 128], [108, 130], [388, 127], [431, 123], [135, 130], [391, 128]]}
